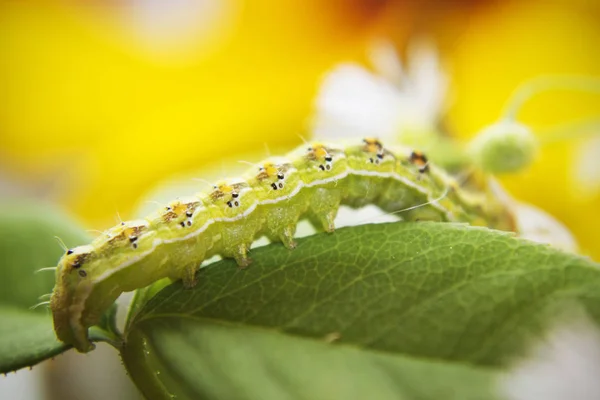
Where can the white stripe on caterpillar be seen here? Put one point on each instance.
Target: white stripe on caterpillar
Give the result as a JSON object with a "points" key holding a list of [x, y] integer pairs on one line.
{"points": [[225, 221], [158, 242]]}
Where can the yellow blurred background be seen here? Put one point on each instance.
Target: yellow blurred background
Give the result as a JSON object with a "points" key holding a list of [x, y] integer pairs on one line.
{"points": [[99, 100]]}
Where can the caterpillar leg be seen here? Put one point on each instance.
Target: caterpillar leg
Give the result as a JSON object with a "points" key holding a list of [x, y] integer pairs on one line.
{"points": [[282, 221], [324, 205], [189, 276], [287, 237], [241, 255], [326, 220], [82, 342]]}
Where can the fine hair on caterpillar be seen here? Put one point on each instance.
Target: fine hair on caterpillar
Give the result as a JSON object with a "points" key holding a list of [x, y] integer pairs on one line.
{"points": [[61, 243], [310, 182]]}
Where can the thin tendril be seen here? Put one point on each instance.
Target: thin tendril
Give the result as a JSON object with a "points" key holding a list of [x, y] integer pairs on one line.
{"points": [[528, 90], [570, 130]]}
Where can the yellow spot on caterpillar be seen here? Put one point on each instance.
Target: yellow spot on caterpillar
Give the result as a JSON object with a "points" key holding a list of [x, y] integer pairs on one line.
{"points": [[270, 169], [320, 152], [372, 145], [317, 152], [124, 232], [221, 190], [178, 208], [419, 159], [226, 189], [274, 171], [132, 231]]}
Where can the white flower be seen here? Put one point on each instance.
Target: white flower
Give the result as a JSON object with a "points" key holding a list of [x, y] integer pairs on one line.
{"points": [[355, 102], [586, 168], [564, 366], [535, 224]]}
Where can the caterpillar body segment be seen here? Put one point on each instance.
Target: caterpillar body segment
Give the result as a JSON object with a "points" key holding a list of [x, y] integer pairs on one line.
{"points": [[279, 187], [311, 182]]}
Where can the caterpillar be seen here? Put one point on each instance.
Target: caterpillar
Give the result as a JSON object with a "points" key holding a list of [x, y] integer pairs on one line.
{"points": [[312, 182]]}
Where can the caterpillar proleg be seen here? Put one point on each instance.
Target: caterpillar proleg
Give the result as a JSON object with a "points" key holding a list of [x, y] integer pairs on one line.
{"points": [[311, 182]]}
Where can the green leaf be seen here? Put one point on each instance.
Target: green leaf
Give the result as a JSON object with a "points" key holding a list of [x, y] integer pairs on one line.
{"points": [[143, 295], [194, 358], [26, 338], [27, 244], [420, 311]]}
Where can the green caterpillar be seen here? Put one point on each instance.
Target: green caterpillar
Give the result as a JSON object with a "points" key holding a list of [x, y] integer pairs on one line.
{"points": [[310, 182]]}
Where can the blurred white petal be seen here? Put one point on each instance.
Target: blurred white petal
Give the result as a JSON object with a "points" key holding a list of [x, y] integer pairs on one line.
{"points": [[539, 226], [586, 167], [428, 80], [566, 366], [535, 224], [355, 102]]}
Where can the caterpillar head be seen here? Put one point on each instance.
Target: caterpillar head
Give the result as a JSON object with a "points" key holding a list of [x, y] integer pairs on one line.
{"points": [[71, 277], [88, 280]]}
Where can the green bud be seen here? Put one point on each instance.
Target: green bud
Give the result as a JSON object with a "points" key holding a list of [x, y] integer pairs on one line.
{"points": [[504, 147]]}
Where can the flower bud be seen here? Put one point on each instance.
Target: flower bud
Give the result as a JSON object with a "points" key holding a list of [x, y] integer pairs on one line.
{"points": [[504, 147]]}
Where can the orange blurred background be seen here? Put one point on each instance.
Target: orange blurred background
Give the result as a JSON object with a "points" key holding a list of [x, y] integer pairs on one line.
{"points": [[100, 100]]}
